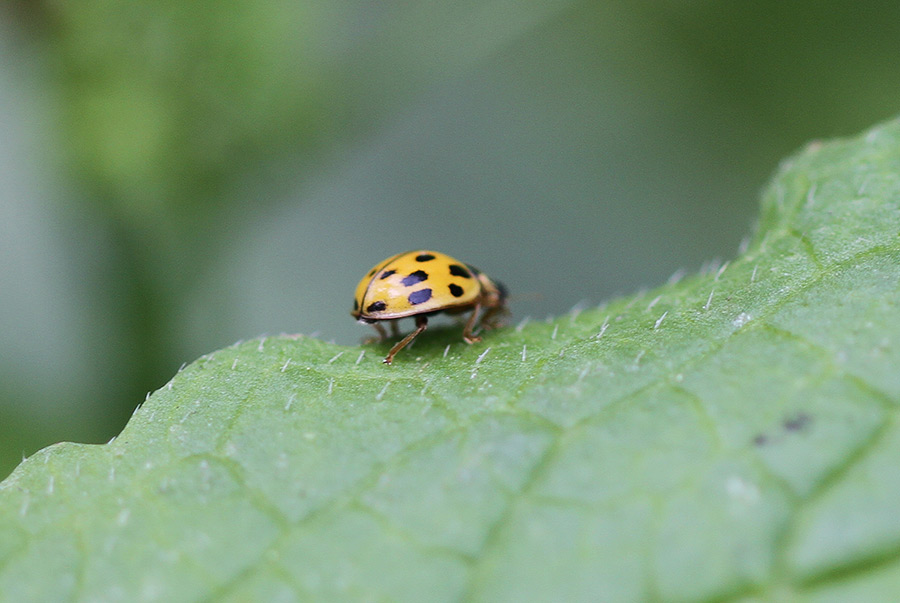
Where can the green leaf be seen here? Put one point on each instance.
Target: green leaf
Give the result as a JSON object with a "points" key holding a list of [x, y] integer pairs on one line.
{"points": [[731, 435]]}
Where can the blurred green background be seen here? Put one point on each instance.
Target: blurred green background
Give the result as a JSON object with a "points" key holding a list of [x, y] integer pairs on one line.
{"points": [[177, 176]]}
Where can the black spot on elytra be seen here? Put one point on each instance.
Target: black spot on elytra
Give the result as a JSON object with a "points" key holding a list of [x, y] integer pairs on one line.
{"points": [[415, 278], [419, 297], [797, 422], [371, 272], [386, 274], [457, 270], [378, 306], [455, 290], [424, 257], [355, 305]]}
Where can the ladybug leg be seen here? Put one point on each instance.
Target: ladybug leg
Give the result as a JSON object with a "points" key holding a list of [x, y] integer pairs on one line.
{"points": [[468, 337], [421, 323], [395, 328], [488, 321], [380, 337], [492, 317]]}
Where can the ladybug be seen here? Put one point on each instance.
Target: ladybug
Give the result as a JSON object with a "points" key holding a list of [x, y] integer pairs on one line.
{"points": [[422, 283]]}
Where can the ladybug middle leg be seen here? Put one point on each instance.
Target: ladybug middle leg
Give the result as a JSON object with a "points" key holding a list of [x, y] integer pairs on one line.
{"points": [[421, 323], [382, 335]]}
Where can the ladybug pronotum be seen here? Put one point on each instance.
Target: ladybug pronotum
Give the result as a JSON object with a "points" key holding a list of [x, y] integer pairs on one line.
{"points": [[422, 283]]}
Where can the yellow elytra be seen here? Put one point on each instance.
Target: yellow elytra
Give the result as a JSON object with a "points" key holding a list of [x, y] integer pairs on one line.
{"points": [[421, 283]]}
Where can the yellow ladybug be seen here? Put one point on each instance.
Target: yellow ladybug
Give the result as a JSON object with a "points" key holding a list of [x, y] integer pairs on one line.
{"points": [[422, 283]]}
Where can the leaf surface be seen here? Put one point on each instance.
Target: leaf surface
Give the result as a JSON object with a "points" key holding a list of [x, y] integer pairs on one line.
{"points": [[731, 435]]}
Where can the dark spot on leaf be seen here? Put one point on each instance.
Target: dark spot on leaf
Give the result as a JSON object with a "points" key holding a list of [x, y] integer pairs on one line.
{"points": [[415, 278], [797, 422], [760, 440], [419, 297]]}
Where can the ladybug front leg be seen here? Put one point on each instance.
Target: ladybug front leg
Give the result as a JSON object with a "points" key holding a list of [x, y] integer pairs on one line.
{"points": [[468, 336], [421, 323]]}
